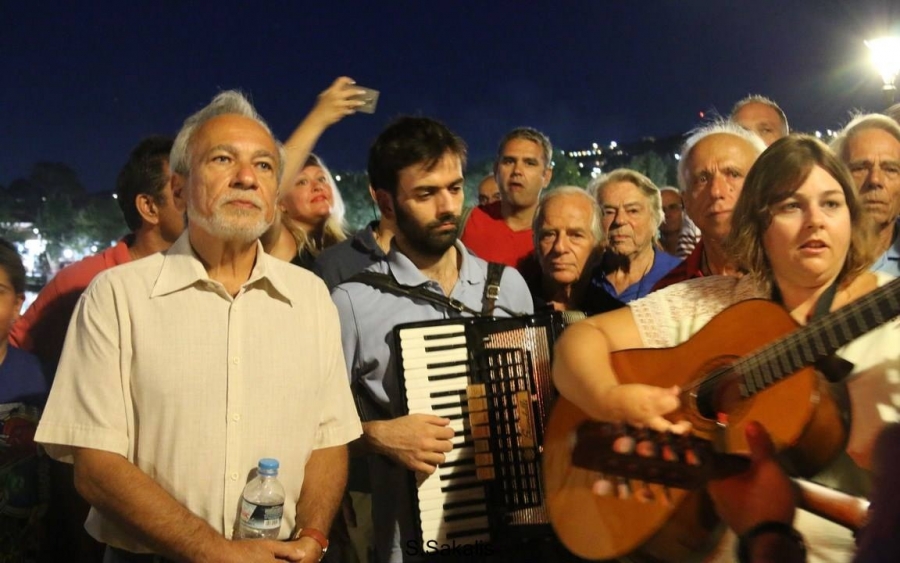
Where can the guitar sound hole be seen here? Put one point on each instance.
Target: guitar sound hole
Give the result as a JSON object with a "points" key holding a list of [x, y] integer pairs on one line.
{"points": [[718, 395]]}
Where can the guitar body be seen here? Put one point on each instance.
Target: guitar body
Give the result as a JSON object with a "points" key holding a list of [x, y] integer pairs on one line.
{"points": [[799, 412]]}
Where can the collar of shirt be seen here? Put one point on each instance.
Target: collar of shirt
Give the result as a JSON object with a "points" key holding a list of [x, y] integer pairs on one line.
{"points": [[893, 251], [182, 268], [407, 273]]}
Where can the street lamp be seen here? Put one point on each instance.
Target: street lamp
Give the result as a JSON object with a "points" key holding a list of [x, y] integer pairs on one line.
{"points": [[886, 58]]}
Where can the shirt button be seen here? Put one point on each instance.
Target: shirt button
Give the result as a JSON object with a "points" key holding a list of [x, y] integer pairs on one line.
{"points": [[234, 476], [236, 360], [236, 417]]}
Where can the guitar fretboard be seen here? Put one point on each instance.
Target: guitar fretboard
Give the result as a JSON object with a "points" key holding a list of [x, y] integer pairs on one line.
{"points": [[817, 340]]}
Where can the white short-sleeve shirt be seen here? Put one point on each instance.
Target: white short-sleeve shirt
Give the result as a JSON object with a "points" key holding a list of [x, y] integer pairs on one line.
{"points": [[164, 367]]}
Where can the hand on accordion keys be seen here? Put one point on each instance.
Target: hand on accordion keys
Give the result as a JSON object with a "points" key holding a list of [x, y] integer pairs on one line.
{"points": [[416, 441]]}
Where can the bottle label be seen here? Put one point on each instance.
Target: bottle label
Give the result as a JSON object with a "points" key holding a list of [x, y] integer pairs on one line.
{"points": [[261, 516]]}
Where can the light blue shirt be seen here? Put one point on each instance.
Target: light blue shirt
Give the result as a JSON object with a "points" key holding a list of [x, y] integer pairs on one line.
{"points": [[368, 317], [889, 262]]}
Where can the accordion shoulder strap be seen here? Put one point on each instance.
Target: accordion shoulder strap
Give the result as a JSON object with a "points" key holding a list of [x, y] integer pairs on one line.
{"points": [[492, 287], [387, 283]]}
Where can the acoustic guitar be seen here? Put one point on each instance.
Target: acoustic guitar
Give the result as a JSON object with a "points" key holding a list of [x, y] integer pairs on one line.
{"points": [[750, 362]]}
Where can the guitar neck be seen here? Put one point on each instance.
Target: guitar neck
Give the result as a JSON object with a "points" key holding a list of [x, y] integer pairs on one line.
{"points": [[819, 339], [845, 510]]}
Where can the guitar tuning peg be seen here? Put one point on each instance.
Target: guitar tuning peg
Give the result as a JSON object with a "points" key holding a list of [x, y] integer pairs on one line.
{"points": [[623, 445], [646, 448], [668, 453], [602, 487], [691, 458]]}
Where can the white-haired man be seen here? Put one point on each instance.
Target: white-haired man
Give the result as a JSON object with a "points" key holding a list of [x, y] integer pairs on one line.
{"points": [[568, 242], [870, 147], [181, 370], [714, 161], [632, 214]]}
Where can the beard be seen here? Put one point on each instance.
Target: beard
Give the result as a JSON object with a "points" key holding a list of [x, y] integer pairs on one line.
{"points": [[235, 225], [425, 239]]}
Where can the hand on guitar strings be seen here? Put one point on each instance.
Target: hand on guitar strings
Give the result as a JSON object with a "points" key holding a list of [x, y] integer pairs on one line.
{"points": [[644, 406], [416, 441], [762, 493]]}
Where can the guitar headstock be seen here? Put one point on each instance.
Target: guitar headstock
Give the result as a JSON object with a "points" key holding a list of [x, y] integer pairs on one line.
{"points": [[622, 452]]}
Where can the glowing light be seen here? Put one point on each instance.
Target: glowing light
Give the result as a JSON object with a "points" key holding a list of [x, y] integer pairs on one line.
{"points": [[886, 58]]}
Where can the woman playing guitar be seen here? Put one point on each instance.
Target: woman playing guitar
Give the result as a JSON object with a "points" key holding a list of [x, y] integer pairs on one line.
{"points": [[797, 233]]}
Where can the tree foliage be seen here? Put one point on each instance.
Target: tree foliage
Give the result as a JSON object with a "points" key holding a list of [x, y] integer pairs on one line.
{"points": [[662, 170], [566, 171], [354, 188]]}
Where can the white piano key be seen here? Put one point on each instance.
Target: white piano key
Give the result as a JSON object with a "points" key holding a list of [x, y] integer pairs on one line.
{"points": [[470, 493], [457, 454], [436, 503], [425, 373], [437, 357], [423, 388], [441, 529], [420, 332], [424, 402], [419, 348]]}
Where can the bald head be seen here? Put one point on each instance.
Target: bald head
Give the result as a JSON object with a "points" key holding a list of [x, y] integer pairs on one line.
{"points": [[488, 191]]}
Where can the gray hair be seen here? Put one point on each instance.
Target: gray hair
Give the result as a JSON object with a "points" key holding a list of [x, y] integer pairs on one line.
{"points": [[529, 134], [717, 127], [759, 99], [859, 123], [645, 184], [229, 102], [596, 228]]}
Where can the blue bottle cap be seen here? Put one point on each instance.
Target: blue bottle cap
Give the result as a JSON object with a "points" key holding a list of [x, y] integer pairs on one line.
{"points": [[268, 465]]}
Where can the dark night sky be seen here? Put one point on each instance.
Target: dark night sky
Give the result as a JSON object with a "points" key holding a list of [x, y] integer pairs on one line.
{"points": [[83, 82]]}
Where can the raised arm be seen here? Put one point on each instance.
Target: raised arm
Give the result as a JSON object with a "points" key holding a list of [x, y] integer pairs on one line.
{"points": [[583, 373], [333, 104], [119, 489]]}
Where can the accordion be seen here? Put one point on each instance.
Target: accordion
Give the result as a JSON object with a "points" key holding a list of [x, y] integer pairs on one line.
{"points": [[491, 378]]}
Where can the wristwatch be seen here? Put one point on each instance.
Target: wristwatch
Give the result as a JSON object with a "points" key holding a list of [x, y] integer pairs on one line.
{"points": [[316, 535]]}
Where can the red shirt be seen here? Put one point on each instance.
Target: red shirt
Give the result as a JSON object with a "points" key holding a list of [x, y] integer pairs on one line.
{"points": [[42, 329], [690, 268], [490, 238]]}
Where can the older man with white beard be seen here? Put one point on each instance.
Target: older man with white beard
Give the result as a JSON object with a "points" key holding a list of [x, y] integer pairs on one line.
{"points": [[183, 369]]}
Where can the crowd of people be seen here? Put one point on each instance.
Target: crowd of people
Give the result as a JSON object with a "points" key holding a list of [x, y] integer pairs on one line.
{"points": [[144, 384]]}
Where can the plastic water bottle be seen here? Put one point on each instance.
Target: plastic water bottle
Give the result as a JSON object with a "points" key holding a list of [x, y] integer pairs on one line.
{"points": [[262, 503]]}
